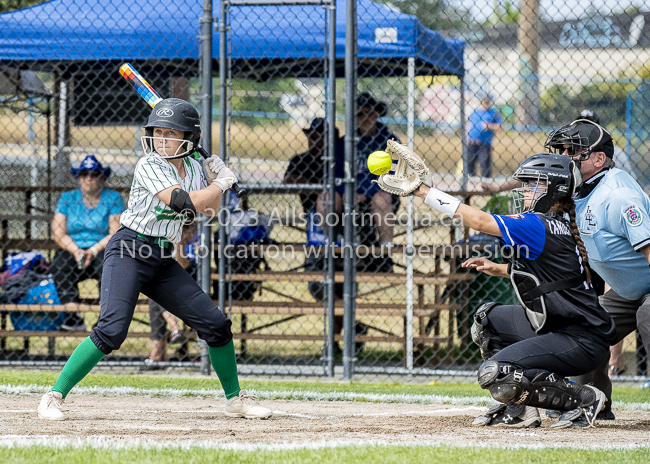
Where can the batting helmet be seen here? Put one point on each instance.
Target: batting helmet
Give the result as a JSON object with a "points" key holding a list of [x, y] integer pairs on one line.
{"points": [[177, 114], [559, 172]]}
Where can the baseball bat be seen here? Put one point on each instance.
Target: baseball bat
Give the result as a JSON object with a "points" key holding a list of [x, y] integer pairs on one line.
{"points": [[148, 94]]}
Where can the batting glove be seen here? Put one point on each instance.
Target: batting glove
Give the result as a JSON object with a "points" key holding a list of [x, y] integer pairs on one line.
{"points": [[225, 179], [212, 166]]}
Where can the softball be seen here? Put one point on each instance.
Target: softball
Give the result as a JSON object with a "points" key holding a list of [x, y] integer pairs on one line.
{"points": [[379, 162]]}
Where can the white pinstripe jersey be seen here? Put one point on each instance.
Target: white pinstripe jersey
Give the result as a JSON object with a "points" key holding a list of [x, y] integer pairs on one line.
{"points": [[148, 215]]}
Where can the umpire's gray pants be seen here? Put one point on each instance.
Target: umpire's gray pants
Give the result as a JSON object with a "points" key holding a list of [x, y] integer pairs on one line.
{"points": [[628, 315]]}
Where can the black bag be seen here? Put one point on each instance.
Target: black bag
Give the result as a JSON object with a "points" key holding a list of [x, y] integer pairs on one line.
{"points": [[245, 228]]}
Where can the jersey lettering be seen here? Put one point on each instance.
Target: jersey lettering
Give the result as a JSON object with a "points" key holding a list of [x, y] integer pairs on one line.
{"points": [[558, 227], [590, 218]]}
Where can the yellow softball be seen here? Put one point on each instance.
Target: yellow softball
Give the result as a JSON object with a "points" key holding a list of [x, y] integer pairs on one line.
{"points": [[379, 162]]}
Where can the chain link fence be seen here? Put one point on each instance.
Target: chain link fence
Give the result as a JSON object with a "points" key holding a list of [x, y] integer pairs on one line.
{"points": [[286, 112]]}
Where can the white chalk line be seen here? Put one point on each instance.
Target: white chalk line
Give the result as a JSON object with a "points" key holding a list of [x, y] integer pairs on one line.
{"points": [[379, 414], [299, 395], [99, 442], [441, 411]]}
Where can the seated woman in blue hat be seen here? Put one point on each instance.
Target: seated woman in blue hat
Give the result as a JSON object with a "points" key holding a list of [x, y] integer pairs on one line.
{"points": [[84, 221]]}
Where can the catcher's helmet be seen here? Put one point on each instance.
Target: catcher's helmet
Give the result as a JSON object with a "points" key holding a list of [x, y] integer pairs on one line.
{"points": [[560, 173], [177, 114], [581, 138]]}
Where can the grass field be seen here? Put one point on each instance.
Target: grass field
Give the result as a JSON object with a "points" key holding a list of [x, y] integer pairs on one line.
{"points": [[141, 419], [348, 453]]}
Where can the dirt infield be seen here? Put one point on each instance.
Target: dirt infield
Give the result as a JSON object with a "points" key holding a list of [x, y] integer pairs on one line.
{"points": [[128, 418]]}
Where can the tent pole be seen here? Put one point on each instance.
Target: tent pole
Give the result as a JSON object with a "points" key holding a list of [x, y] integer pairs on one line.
{"points": [[463, 138], [49, 164], [350, 186], [409, 227]]}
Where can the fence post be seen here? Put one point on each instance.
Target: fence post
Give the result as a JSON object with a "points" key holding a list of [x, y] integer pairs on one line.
{"points": [[205, 250], [350, 190]]}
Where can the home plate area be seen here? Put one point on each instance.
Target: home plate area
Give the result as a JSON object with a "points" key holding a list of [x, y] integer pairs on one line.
{"points": [[95, 420]]}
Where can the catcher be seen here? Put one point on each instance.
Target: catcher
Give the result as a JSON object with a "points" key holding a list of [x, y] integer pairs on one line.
{"points": [[559, 330]]}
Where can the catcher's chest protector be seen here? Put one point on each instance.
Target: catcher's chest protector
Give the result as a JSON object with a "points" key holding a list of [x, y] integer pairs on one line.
{"points": [[535, 307], [557, 268]]}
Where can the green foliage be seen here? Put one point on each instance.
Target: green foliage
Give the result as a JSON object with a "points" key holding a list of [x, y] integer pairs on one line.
{"points": [[253, 99], [11, 5], [506, 13], [438, 15], [558, 105], [498, 204]]}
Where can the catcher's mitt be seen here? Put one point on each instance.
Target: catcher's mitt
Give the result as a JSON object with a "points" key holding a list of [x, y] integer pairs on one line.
{"points": [[410, 172]]}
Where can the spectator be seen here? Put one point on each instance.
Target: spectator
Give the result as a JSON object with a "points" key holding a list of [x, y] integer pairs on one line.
{"points": [[159, 317], [309, 167], [84, 221], [373, 136], [482, 124]]}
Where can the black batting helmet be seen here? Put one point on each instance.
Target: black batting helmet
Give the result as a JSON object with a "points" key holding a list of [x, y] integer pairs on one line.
{"points": [[177, 114], [559, 172]]}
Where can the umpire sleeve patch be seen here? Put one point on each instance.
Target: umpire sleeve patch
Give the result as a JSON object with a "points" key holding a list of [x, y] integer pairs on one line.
{"points": [[632, 215]]}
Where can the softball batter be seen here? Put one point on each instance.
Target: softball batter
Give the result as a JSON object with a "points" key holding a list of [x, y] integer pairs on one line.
{"points": [[168, 186]]}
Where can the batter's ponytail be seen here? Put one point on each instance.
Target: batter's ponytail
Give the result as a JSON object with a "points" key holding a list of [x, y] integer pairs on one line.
{"points": [[567, 205]]}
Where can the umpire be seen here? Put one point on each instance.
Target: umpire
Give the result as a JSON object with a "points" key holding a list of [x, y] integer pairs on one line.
{"points": [[612, 216]]}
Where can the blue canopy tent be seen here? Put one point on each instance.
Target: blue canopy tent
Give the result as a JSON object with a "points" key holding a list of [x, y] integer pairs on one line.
{"points": [[88, 33], [73, 37]]}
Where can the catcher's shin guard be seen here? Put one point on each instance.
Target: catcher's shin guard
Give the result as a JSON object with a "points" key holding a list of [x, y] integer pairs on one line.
{"points": [[505, 383], [558, 393], [481, 335]]}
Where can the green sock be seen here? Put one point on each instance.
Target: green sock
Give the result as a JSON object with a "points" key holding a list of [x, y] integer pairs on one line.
{"points": [[82, 361], [225, 365]]}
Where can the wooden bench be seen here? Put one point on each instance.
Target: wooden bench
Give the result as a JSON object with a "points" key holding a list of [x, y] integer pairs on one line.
{"points": [[281, 311], [287, 311]]}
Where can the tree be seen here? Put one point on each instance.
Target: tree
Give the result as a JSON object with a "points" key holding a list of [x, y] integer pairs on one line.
{"points": [[437, 15], [504, 14], [11, 5]]}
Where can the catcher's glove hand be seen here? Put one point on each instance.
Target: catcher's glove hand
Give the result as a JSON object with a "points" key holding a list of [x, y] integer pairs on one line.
{"points": [[410, 172]]}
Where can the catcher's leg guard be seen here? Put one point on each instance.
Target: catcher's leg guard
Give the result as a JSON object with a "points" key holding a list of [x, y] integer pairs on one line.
{"points": [[505, 383], [552, 392], [579, 403], [481, 335], [586, 414]]}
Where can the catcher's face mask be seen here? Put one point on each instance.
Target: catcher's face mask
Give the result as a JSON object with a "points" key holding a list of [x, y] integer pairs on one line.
{"points": [[526, 196]]}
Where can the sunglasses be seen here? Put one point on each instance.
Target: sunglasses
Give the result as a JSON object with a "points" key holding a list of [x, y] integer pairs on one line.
{"points": [[93, 174], [573, 151]]}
